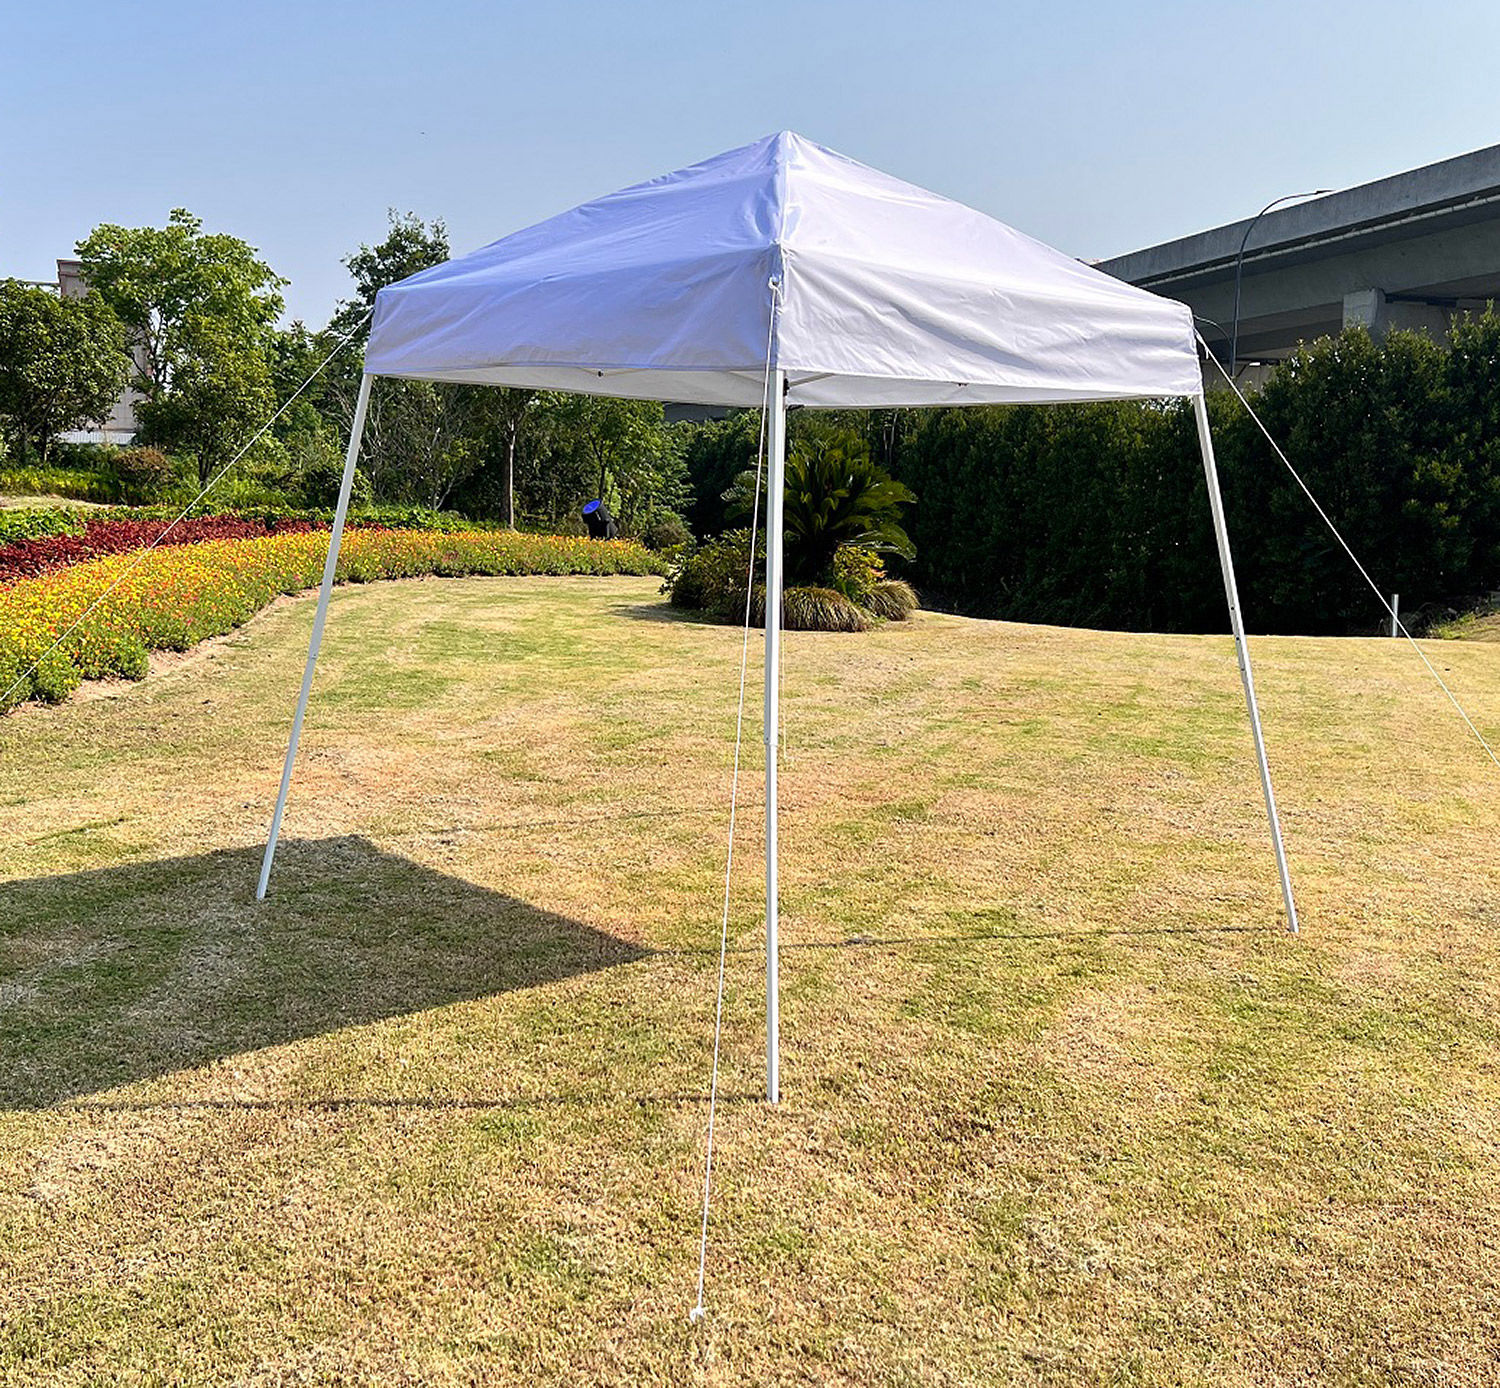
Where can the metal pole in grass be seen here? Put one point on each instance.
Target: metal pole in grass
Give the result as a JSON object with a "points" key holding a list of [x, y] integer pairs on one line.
{"points": [[775, 538], [1242, 649], [1395, 607], [356, 435]]}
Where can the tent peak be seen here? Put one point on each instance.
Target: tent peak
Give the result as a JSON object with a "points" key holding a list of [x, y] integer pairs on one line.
{"points": [[890, 295]]}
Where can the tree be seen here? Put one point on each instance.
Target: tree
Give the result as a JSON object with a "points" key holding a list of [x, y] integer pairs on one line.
{"points": [[621, 451], [62, 363], [198, 306], [221, 394], [422, 439], [504, 420], [156, 279], [410, 245]]}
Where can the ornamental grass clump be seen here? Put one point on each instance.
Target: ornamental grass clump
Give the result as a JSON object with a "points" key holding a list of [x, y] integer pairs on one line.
{"points": [[126, 605]]}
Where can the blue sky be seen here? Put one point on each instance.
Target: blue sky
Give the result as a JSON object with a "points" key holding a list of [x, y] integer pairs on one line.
{"points": [[1097, 127]]}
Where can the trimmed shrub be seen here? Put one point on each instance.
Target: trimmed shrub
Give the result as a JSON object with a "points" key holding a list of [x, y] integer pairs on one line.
{"points": [[32, 558], [665, 534], [320, 482], [712, 577], [74, 483], [144, 474]]}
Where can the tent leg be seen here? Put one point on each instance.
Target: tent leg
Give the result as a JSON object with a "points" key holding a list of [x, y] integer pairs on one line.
{"points": [[356, 434], [775, 536], [1237, 624]]}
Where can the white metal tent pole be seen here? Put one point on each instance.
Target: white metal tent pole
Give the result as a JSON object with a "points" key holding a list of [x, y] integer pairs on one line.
{"points": [[1237, 624], [775, 535], [356, 434]]}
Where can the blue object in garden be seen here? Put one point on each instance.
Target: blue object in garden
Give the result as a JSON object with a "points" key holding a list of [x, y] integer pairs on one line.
{"points": [[599, 521]]}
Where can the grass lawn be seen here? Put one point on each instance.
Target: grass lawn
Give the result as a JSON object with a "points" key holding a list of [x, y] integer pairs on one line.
{"points": [[1062, 1102]]}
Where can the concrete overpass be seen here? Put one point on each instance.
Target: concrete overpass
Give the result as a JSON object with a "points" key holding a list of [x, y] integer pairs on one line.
{"points": [[1408, 251]]}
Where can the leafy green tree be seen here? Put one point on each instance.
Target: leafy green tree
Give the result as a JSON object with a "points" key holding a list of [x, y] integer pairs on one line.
{"points": [[1472, 378], [621, 451], [507, 422], [159, 279], [410, 245], [221, 394], [715, 454], [201, 308], [423, 439], [62, 363]]}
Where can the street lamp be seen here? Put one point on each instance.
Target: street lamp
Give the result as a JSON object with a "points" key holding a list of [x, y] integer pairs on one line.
{"points": [[1239, 265]]}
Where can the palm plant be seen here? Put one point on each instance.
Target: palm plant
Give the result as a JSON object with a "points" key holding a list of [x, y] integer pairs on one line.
{"points": [[836, 498]]}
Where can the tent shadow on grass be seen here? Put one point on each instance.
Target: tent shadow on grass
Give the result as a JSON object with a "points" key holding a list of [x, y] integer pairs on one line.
{"points": [[132, 972]]}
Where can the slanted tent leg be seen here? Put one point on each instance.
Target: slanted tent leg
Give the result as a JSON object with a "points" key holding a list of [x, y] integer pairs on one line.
{"points": [[775, 537], [356, 434], [1242, 649]]}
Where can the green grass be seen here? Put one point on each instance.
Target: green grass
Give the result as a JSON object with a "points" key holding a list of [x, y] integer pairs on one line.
{"points": [[1062, 1102]]}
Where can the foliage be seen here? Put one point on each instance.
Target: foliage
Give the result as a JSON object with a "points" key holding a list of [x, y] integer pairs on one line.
{"points": [[175, 597], [410, 245], [161, 280], [716, 453], [143, 474], [34, 522], [811, 608], [29, 558], [32, 550], [200, 309], [891, 598], [836, 498], [76, 484], [62, 364], [1097, 515], [420, 440], [322, 479], [619, 450], [219, 398], [667, 534], [711, 579]]}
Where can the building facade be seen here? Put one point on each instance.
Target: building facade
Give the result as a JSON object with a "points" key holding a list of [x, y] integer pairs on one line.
{"points": [[120, 425]]}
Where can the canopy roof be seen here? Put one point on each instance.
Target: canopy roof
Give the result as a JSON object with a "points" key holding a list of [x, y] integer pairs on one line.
{"points": [[890, 295]]}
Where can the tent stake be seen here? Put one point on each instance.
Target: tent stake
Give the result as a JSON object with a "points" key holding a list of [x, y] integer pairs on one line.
{"points": [[356, 434], [1242, 649], [775, 536]]}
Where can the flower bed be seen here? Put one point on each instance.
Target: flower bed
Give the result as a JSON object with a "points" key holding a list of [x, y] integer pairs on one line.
{"points": [[30, 558], [175, 597]]}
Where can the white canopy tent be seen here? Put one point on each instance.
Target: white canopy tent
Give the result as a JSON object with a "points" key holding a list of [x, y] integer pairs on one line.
{"points": [[786, 274]]}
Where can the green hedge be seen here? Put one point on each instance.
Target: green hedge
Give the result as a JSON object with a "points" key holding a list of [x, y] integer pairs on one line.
{"points": [[1097, 515]]}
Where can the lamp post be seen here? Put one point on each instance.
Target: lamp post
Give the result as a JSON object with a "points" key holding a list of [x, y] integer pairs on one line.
{"points": [[1239, 265]]}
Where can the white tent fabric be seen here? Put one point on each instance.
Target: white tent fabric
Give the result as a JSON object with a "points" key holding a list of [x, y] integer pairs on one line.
{"points": [[891, 295], [784, 274]]}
